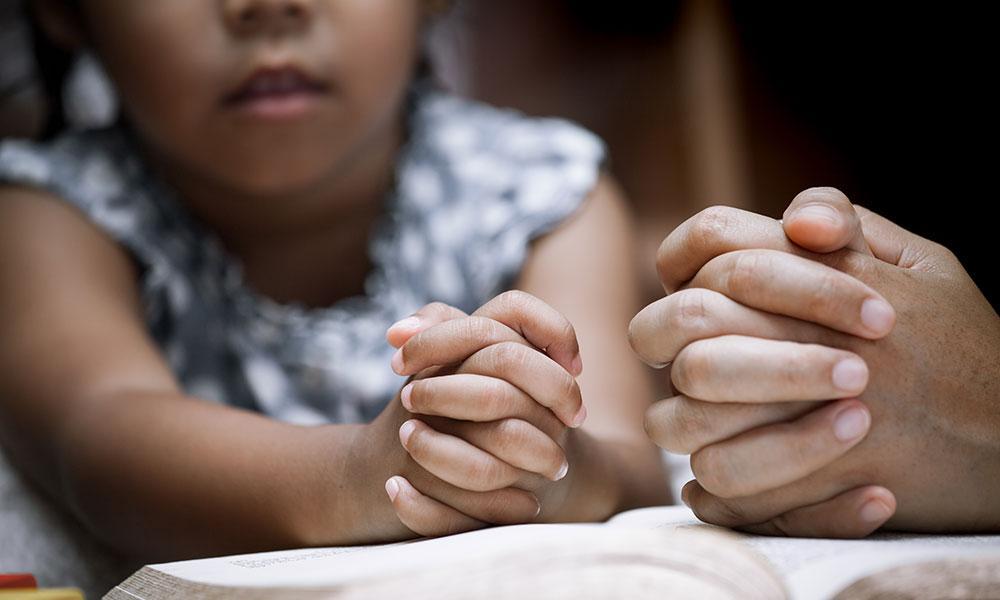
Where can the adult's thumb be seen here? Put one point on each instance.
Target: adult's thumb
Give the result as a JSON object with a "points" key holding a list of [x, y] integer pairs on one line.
{"points": [[893, 244], [823, 220]]}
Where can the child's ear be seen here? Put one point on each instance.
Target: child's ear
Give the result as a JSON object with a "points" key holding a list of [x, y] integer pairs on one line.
{"points": [[61, 21]]}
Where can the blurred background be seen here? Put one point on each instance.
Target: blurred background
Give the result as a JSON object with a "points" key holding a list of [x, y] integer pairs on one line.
{"points": [[701, 101]]}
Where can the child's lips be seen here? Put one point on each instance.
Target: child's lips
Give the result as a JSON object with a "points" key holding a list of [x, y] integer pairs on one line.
{"points": [[277, 93]]}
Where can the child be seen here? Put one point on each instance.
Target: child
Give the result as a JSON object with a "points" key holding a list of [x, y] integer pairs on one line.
{"points": [[192, 347]]}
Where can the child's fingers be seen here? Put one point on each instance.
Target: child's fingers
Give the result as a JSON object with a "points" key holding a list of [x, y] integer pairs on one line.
{"points": [[780, 283], [517, 443], [735, 368], [535, 374], [455, 460], [854, 514], [451, 342], [426, 516], [428, 316], [469, 397], [543, 326], [683, 425], [662, 329], [773, 456], [506, 506]]}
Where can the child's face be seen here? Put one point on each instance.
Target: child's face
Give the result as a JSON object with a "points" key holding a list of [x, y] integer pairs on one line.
{"points": [[259, 96]]}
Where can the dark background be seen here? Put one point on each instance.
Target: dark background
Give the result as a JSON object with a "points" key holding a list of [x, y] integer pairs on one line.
{"points": [[898, 110]]}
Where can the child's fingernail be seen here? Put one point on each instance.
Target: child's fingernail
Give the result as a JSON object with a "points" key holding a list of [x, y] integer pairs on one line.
{"points": [[850, 375], [577, 365], [851, 424], [392, 488], [397, 362], [874, 511], [411, 322], [684, 496], [877, 315], [562, 471], [579, 418], [404, 396], [406, 430]]}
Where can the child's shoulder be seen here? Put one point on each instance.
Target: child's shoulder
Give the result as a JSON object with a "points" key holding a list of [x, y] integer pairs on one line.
{"points": [[476, 185]]}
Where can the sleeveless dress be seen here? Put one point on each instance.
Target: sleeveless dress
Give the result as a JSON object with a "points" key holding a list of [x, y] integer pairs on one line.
{"points": [[474, 185]]}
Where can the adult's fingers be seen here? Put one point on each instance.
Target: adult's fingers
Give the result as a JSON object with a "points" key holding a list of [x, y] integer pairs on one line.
{"points": [[455, 460], [773, 456], [428, 316], [684, 426], [898, 246], [734, 368], [543, 326], [426, 516], [662, 329], [712, 232], [781, 283], [854, 514], [533, 373], [828, 496], [822, 219], [470, 397]]}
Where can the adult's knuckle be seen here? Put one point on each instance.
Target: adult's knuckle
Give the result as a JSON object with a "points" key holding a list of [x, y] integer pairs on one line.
{"points": [[825, 294], [712, 226], [712, 467], [689, 311], [745, 273], [689, 425], [690, 368]]}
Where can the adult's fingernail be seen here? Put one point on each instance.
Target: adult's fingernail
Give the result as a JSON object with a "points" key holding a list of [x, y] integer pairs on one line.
{"points": [[392, 488], [580, 417], [851, 424], [877, 316], [577, 365], [406, 430], [562, 471], [411, 322], [397, 362], [850, 375], [818, 212], [874, 511], [684, 496], [404, 396]]}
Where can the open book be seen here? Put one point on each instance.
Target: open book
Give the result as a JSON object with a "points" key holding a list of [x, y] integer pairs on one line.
{"points": [[648, 553]]}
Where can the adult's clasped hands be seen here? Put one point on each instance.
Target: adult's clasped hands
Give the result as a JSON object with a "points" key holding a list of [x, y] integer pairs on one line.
{"points": [[831, 373]]}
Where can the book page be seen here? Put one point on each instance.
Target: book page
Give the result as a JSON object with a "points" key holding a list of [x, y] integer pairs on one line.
{"points": [[820, 568], [513, 560]]}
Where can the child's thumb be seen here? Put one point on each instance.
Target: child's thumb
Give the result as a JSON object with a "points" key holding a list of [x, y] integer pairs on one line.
{"points": [[428, 316]]}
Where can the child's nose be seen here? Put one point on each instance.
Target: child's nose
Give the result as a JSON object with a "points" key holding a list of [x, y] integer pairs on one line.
{"points": [[269, 17]]}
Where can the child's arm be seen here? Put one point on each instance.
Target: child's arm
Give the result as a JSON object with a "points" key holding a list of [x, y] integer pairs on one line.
{"points": [[90, 410]]}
